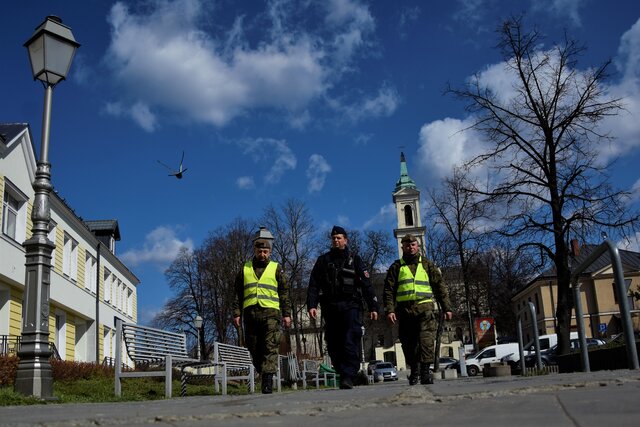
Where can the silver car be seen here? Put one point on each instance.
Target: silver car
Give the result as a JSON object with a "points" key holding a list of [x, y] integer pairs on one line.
{"points": [[385, 371]]}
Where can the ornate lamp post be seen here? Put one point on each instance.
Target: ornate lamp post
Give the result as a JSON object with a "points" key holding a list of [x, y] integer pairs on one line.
{"points": [[197, 322], [51, 50]]}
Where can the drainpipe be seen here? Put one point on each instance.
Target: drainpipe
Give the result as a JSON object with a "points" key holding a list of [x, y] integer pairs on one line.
{"points": [[98, 303]]}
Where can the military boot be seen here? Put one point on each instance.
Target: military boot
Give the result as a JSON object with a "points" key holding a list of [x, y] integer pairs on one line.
{"points": [[413, 376], [267, 383], [425, 375]]}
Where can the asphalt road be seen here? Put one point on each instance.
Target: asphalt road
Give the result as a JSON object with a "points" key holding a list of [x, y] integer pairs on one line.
{"points": [[604, 398]]}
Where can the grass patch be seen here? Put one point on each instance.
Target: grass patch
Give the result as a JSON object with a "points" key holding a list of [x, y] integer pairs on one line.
{"points": [[100, 389]]}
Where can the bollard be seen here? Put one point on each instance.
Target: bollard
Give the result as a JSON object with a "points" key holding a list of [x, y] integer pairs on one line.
{"points": [[183, 383]]}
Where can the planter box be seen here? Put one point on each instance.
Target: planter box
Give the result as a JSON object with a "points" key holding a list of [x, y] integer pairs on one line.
{"points": [[600, 359]]}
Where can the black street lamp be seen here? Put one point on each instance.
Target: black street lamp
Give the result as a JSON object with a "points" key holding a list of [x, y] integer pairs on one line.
{"points": [[51, 50]]}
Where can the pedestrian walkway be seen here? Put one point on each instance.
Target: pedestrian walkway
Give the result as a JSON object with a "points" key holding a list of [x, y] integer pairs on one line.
{"points": [[604, 398]]}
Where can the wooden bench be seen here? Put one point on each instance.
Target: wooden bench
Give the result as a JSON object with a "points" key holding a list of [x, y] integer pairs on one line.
{"points": [[152, 349]]}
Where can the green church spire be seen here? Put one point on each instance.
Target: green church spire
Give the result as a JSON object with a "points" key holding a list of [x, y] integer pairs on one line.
{"points": [[405, 181]]}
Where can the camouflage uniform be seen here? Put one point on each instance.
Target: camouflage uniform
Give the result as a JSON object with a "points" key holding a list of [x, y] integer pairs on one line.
{"points": [[417, 322], [262, 325]]}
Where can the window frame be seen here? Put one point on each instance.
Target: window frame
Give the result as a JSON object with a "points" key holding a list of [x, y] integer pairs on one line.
{"points": [[19, 234], [70, 257]]}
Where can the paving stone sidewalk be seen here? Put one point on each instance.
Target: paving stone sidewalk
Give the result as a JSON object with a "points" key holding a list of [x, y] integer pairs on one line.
{"points": [[580, 399]]}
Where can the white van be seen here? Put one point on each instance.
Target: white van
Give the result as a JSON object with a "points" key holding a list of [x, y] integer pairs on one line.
{"points": [[548, 341], [491, 354]]}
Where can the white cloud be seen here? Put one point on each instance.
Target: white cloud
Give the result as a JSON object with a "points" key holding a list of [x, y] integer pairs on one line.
{"points": [[385, 216], [343, 221], [635, 191], [353, 22], [165, 61], [160, 247], [625, 126], [139, 113], [560, 9], [408, 15], [143, 116], [445, 144], [363, 138], [272, 152], [317, 172], [382, 104], [630, 244], [245, 182], [147, 314]]}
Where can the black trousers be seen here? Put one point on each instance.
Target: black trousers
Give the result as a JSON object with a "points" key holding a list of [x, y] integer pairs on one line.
{"points": [[343, 333]]}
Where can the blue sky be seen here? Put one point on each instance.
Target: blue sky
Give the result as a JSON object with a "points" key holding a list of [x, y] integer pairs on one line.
{"points": [[278, 99]]}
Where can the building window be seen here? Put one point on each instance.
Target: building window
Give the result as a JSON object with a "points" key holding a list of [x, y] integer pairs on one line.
{"points": [[52, 238], [537, 304], [408, 215], [129, 302], [70, 257], [14, 213], [90, 271], [107, 285]]}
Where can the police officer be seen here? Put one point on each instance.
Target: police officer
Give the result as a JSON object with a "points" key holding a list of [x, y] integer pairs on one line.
{"points": [[339, 282], [410, 287], [262, 297]]}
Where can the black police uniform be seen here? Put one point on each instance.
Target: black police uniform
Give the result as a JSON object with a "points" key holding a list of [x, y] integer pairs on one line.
{"points": [[339, 282]]}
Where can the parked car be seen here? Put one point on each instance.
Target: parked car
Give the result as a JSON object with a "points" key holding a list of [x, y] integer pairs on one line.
{"points": [[444, 363], [385, 371], [548, 357], [372, 364]]}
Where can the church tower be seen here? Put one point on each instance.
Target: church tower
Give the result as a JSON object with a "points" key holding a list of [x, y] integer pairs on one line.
{"points": [[406, 197]]}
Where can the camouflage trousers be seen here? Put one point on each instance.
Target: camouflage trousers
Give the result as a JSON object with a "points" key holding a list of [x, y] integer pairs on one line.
{"points": [[417, 326], [262, 337]]}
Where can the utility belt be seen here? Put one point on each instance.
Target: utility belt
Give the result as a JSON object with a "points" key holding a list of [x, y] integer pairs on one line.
{"points": [[417, 306]]}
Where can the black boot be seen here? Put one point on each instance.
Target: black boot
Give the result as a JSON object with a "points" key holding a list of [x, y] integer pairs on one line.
{"points": [[413, 376], [267, 383], [425, 375]]}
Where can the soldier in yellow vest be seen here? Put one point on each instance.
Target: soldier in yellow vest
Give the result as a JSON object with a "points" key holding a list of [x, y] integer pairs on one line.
{"points": [[411, 287], [263, 300]]}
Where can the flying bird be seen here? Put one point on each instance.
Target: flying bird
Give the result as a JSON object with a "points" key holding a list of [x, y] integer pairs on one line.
{"points": [[179, 172]]}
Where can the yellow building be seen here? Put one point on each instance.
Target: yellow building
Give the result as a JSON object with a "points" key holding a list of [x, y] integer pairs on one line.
{"points": [[90, 287], [597, 292]]}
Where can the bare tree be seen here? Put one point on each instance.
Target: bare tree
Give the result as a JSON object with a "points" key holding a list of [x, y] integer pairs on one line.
{"points": [[293, 230], [202, 284], [510, 271], [374, 247], [226, 249], [459, 210], [543, 150], [186, 279]]}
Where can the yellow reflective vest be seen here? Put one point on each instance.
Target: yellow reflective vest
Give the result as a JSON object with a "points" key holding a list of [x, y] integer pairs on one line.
{"points": [[412, 288], [263, 291]]}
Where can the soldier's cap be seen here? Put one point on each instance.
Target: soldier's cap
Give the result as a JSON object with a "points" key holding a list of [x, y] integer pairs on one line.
{"points": [[262, 244], [408, 238], [338, 230]]}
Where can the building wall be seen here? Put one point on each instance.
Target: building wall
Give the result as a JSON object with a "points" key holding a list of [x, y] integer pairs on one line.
{"points": [[600, 307], [69, 296]]}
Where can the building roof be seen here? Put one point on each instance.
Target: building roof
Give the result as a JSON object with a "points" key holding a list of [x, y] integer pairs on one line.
{"points": [[405, 181], [110, 225], [630, 262], [8, 131]]}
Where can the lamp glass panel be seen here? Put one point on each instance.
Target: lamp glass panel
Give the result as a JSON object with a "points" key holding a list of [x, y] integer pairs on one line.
{"points": [[36, 55], [58, 55]]}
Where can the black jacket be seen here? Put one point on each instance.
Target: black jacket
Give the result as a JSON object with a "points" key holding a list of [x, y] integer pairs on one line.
{"points": [[340, 276]]}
